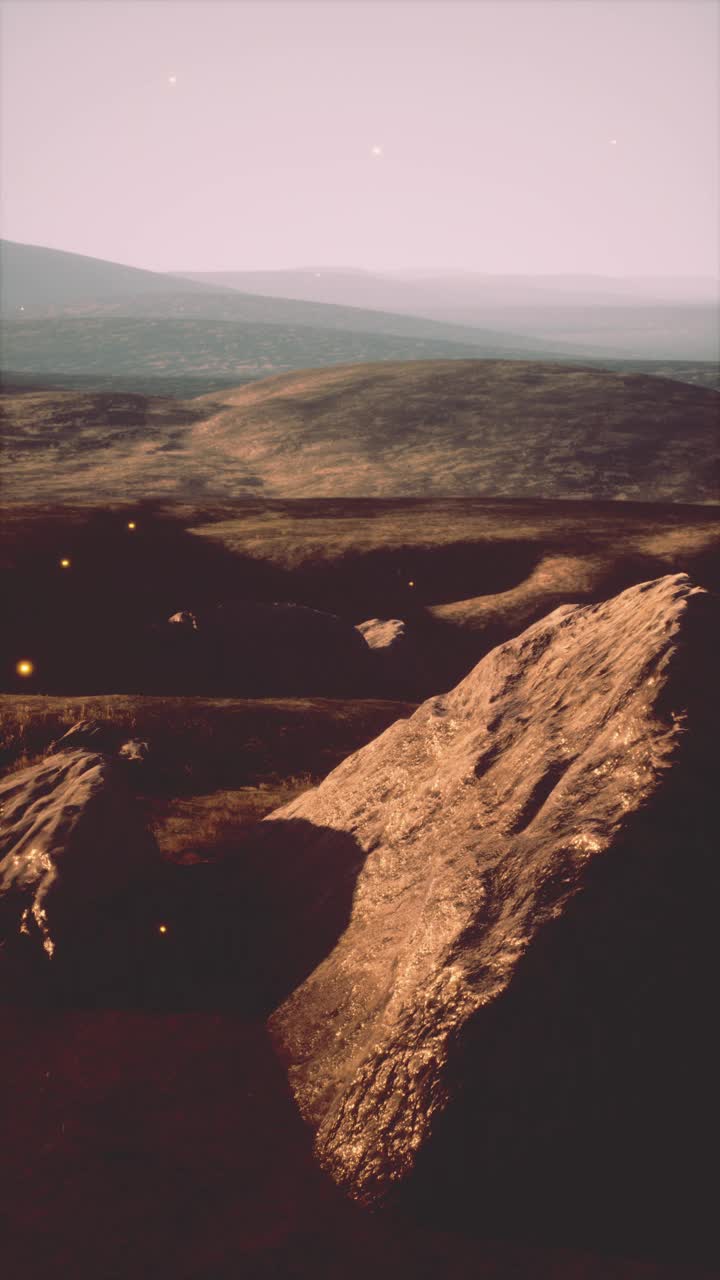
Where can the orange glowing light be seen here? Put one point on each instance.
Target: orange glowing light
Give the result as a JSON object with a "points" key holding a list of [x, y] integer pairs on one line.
{"points": [[25, 667], [64, 564], [162, 928], [131, 524], [411, 583]]}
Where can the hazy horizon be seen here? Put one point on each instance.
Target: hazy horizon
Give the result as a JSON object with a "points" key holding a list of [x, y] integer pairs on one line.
{"points": [[542, 138], [411, 270]]}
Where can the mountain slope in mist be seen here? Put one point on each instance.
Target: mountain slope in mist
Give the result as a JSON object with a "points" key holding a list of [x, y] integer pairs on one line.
{"points": [[636, 317]]}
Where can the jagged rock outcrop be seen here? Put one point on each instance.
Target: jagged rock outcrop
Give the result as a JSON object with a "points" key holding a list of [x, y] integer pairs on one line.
{"points": [[502, 1020], [71, 841]]}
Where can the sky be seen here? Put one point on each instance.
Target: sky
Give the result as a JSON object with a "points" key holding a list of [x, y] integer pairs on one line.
{"points": [[522, 137]]}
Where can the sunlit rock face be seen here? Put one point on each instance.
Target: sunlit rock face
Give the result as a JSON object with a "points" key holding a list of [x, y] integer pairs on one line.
{"points": [[504, 1020], [383, 633], [71, 841], [184, 619]]}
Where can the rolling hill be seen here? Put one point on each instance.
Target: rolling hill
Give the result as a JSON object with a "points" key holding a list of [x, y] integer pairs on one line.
{"points": [[193, 351], [33, 276], [419, 428]]}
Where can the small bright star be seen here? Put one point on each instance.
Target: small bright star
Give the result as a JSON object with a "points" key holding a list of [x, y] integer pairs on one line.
{"points": [[131, 524], [64, 564], [162, 928], [25, 668]]}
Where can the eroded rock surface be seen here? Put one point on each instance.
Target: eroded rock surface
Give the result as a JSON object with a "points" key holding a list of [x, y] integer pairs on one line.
{"points": [[537, 860], [288, 648], [71, 840], [383, 633]]}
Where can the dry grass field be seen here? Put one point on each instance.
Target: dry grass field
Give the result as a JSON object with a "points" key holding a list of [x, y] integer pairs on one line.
{"points": [[492, 428]]}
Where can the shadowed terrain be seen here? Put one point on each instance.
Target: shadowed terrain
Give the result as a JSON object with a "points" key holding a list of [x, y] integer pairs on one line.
{"points": [[464, 574]]}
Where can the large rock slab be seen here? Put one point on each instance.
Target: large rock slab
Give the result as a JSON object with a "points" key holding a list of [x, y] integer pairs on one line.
{"points": [[383, 634], [537, 862], [72, 841]]}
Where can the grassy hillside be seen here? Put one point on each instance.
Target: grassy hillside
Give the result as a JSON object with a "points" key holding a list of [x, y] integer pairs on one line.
{"points": [[232, 307], [102, 346], [35, 276], [474, 427], [477, 427]]}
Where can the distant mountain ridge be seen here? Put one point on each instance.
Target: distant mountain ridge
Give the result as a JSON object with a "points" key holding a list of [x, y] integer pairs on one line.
{"points": [[70, 320], [447, 288], [31, 275], [39, 282], [635, 318]]}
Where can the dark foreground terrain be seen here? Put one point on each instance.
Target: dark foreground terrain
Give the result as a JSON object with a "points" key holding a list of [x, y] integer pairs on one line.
{"points": [[150, 1130], [167, 1144], [464, 575], [148, 1126]]}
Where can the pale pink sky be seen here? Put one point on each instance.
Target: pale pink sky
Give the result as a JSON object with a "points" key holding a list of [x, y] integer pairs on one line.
{"points": [[495, 121]]}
